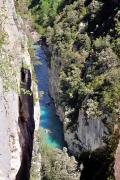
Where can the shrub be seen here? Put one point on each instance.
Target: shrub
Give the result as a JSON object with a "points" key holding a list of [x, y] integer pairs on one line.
{"points": [[101, 43], [56, 164]]}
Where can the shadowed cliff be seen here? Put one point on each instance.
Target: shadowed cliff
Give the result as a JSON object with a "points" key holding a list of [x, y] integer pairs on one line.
{"points": [[26, 123]]}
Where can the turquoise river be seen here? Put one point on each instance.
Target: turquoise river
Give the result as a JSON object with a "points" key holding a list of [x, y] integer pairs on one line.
{"points": [[49, 121]]}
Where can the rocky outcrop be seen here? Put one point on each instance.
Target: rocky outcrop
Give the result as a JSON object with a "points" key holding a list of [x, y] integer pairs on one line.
{"points": [[88, 135], [17, 112]]}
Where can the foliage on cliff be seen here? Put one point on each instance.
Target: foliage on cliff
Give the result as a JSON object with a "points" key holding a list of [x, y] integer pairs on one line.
{"points": [[55, 163], [22, 8], [86, 36], [7, 71], [84, 40], [45, 11]]}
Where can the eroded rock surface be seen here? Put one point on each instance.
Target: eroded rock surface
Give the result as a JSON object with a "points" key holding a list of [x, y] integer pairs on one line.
{"points": [[16, 113]]}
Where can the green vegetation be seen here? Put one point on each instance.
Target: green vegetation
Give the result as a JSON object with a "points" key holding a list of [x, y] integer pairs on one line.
{"points": [[55, 163], [89, 60], [84, 40], [69, 34], [44, 12], [8, 75], [6, 68], [3, 36], [7, 72], [22, 8]]}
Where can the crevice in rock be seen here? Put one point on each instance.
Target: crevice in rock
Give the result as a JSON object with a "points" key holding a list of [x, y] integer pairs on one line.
{"points": [[26, 124]]}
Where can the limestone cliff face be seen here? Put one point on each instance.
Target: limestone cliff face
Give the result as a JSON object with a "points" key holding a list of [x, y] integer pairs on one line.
{"points": [[16, 112], [87, 135]]}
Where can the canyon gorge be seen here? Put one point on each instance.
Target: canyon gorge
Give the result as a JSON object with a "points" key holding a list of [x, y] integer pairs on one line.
{"points": [[59, 90]]}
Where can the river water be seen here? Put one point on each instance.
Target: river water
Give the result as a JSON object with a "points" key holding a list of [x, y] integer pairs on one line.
{"points": [[49, 121]]}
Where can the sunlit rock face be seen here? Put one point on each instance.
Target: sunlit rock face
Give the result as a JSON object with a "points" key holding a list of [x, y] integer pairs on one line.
{"points": [[117, 157], [10, 150], [88, 135], [117, 163], [16, 136]]}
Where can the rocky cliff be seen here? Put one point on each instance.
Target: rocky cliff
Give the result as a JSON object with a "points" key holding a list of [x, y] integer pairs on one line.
{"points": [[84, 81], [19, 116]]}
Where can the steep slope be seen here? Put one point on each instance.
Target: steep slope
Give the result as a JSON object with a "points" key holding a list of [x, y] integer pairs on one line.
{"points": [[84, 81], [84, 70], [17, 112]]}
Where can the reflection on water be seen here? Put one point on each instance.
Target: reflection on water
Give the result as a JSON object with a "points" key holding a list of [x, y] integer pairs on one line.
{"points": [[48, 121]]}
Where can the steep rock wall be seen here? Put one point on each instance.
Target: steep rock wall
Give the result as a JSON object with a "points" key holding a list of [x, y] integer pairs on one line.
{"points": [[87, 135], [26, 124], [16, 133], [83, 63]]}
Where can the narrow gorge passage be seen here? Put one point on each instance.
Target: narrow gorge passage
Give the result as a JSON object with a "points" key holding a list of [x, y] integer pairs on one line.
{"points": [[49, 121]]}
